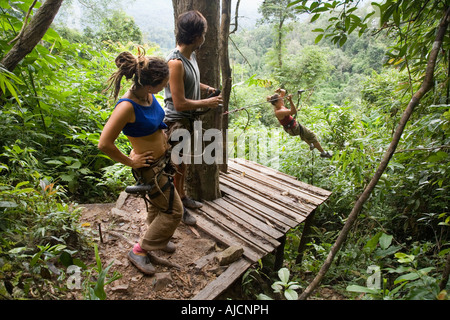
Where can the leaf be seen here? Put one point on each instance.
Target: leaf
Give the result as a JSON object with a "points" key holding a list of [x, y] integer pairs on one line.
{"points": [[385, 241], [66, 259], [17, 250], [315, 17], [290, 294], [318, 38], [361, 289], [372, 243], [277, 287], [262, 296], [407, 277], [36, 258], [67, 177], [404, 258], [283, 274], [8, 204]]}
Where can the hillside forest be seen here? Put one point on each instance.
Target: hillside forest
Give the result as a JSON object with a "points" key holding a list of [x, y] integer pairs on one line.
{"points": [[367, 69]]}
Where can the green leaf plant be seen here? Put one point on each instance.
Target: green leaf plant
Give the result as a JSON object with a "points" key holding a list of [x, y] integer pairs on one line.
{"points": [[284, 286]]}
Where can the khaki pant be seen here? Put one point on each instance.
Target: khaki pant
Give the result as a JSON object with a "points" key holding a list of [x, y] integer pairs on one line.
{"points": [[298, 130], [161, 224]]}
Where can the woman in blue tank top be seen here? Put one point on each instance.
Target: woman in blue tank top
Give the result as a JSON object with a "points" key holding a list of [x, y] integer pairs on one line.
{"points": [[140, 117]]}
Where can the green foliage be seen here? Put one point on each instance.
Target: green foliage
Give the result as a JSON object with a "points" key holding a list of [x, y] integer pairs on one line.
{"points": [[61, 109], [408, 280], [52, 110], [7, 80], [305, 69]]}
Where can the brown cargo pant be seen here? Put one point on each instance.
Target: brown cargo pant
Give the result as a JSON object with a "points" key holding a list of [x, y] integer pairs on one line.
{"points": [[161, 223], [298, 130]]}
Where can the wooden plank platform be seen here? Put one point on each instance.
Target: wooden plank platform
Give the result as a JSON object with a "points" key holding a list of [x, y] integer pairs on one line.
{"points": [[259, 205]]}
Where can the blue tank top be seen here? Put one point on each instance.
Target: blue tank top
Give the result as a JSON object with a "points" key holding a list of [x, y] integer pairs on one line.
{"points": [[149, 119]]}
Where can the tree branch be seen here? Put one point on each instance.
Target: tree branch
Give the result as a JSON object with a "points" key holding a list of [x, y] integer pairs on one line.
{"points": [[25, 22], [32, 33], [236, 18]]}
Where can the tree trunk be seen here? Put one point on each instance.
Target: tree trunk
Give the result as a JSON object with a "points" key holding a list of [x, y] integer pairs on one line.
{"points": [[426, 86], [226, 73], [32, 33], [202, 181]]}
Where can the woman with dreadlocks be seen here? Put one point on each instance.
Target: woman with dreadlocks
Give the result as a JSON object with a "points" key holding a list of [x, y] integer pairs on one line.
{"points": [[290, 125], [139, 115]]}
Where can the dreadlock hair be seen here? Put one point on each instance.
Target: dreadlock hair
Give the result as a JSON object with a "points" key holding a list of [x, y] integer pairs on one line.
{"points": [[141, 69], [190, 25], [273, 99]]}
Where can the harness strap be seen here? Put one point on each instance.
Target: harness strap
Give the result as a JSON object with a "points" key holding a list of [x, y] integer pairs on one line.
{"points": [[147, 196]]}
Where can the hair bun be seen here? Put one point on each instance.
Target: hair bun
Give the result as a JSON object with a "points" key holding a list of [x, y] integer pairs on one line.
{"points": [[127, 63]]}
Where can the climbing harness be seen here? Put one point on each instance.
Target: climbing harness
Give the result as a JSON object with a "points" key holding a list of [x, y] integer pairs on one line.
{"points": [[162, 167]]}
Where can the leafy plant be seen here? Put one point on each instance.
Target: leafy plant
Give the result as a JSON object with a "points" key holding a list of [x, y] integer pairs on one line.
{"points": [[96, 290], [284, 286]]}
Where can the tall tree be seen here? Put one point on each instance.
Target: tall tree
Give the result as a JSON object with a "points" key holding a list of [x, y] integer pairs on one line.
{"points": [[202, 181], [277, 13]]}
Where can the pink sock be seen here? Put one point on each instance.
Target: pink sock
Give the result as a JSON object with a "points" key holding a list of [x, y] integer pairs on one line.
{"points": [[138, 250]]}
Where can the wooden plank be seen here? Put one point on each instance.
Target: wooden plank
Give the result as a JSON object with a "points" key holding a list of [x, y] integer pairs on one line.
{"points": [[221, 283], [251, 239], [265, 213], [281, 210], [257, 209], [247, 214], [302, 195], [270, 196], [305, 202], [273, 194], [223, 235], [263, 201], [243, 227], [281, 176]]}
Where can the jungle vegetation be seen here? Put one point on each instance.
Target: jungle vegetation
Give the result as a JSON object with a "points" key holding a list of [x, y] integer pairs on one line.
{"points": [[360, 71]]}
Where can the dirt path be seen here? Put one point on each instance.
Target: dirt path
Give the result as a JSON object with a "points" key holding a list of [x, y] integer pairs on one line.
{"points": [[122, 224]]}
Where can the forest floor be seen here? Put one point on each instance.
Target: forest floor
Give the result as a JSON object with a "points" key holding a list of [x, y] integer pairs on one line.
{"points": [[179, 275]]}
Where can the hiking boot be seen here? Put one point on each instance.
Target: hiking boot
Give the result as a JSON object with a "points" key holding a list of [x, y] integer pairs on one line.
{"points": [[142, 262], [325, 154], [191, 203], [170, 247], [188, 219]]}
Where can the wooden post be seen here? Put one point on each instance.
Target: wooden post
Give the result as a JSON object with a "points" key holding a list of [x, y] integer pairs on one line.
{"points": [[305, 234], [279, 255]]}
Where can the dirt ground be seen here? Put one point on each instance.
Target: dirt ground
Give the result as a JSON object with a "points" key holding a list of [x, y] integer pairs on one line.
{"points": [[121, 225]]}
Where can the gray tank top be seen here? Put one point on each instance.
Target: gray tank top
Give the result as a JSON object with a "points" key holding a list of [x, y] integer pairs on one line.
{"points": [[191, 86]]}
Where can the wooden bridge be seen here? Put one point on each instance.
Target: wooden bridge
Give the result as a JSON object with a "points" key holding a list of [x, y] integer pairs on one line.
{"points": [[258, 207]]}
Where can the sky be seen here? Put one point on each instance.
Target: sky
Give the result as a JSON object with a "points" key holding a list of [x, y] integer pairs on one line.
{"points": [[143, 10]]}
